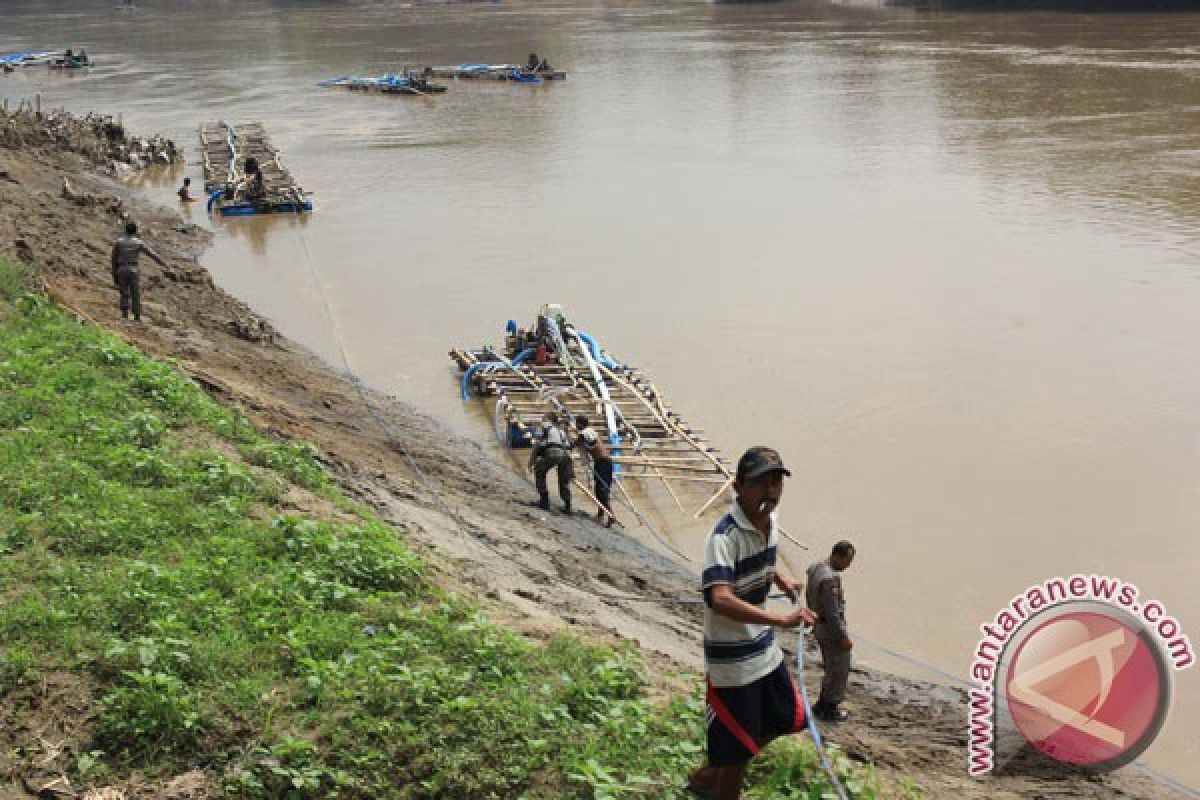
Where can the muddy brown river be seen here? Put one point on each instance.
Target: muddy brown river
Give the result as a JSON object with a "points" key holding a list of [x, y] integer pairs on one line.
{"points": [[946, 263]]}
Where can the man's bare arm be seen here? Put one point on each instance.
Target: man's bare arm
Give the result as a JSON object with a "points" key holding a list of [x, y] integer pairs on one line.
{"points": [[789, 586], [728, 604]]}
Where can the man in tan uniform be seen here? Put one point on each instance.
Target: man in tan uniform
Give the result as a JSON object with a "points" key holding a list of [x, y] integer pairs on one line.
{"points": [[825, 597], [552, 451]]}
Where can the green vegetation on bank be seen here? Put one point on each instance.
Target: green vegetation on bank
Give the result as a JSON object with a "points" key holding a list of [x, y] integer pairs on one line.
{"points": [[225, 608]]}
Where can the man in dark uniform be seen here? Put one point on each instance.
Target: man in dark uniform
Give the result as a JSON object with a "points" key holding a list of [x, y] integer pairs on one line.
{"points": [[552, 451], [125, 252], [824, 596]]}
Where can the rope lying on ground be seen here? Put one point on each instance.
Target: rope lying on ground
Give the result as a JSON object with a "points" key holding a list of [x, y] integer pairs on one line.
{"points": [[380, 420], [640, 517]]}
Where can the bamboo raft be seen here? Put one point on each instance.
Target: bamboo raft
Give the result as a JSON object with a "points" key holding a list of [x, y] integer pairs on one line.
{"points": [[495, 72], [555, 367], [410, 84], [224, 149], [29, 57]]}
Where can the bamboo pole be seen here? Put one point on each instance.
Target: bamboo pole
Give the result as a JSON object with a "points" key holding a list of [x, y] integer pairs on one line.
{"points": [[670, 490], [667, 463], [687, 434], [728, 483], [666, 422], [647, 468], [661, 462], [637, 446], [632, 505], [686, 467], [586, 491], [685, 478], [668, 445], [790, 538], [582, 404]]}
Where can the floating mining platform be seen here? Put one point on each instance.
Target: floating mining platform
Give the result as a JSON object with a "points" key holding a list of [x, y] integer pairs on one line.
{"points": [[555, 367], [229, 154]]}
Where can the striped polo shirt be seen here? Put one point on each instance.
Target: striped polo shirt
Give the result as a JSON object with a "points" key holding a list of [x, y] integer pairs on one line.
{"points": [[739, 653]]}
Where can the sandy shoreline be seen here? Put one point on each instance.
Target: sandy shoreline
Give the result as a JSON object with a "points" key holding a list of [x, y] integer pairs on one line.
{"points": [[467, 513]]}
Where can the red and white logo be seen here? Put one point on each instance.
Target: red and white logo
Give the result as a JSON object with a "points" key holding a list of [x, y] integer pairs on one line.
{"points": [[1088, 686]]}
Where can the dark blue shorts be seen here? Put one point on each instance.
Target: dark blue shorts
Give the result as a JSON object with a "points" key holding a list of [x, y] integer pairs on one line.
{"points": [[743, 719], [604, 475]]}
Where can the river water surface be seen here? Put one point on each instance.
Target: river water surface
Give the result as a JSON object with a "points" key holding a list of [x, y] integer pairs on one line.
{"points": [[946, 263]]}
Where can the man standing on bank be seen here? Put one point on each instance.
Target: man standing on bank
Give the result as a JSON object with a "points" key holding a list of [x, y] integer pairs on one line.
{"points": [[552, 452], [824, 596], [751, 696], [602, 467], [125, 252]]}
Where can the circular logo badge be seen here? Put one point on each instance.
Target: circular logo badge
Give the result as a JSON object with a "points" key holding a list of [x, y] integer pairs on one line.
{"points": [[1088, 686]]}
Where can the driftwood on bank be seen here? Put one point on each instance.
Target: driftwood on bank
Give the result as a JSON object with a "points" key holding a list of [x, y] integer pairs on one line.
{"points": [[98, 138]]}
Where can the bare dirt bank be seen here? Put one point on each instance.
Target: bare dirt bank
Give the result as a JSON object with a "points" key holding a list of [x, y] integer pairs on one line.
{"points": [[466, 512]]}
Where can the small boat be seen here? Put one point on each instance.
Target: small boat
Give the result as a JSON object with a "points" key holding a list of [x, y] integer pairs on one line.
{"points": [[71, 60], [386, 84]]}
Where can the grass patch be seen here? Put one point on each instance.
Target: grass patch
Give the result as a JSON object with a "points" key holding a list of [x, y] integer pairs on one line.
{"points": [[287, 655]]}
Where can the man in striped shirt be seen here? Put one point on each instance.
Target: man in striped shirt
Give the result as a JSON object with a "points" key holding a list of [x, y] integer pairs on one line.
{"points": [[751, 696]]}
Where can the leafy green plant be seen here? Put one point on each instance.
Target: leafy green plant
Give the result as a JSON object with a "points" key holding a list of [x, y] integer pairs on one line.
{"points": [[18, 667], [152, 713], [791, 767], [291, 768], [91, 766], [145, 429], [296, 461]]}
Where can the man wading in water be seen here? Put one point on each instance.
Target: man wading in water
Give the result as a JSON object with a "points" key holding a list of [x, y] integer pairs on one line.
{"points": [[125, 252], [751, 696]]}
